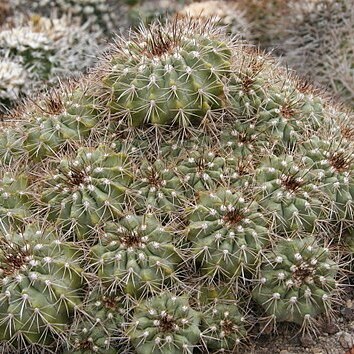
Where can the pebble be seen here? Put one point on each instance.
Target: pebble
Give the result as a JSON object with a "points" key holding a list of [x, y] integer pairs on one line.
{"points": [[346, 340], [318, 351]]}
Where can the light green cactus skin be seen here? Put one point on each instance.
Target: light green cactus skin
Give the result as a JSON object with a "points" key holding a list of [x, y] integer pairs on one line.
{"points": [[98, 330], [87, 189], [297, 281], [164, 324], [41, 285], [11, 146], [222, 327], [55, 122], [59, 123], [15, 200], [226, 233], [331, 167], [289, 194], [201, 170], [136, 255], [284, 115], [159, 187], [145, 87]]}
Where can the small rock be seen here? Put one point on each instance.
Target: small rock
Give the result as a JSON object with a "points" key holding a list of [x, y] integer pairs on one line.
{"points": [[346, 340], [318, 351]]}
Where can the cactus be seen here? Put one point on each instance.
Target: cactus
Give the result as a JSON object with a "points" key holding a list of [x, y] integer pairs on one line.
{"points": [[222, 327], [87, 189], [164, 324], [152, 86], [289, 194], [227, 234], [15, 200], [297, 281], [41, 286], [136, 256], [176, 176], [57, 121]]}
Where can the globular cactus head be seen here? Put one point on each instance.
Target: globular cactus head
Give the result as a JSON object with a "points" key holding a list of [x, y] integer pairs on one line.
{"points": [[98, 326], [297, 281], [75, 195], [171, 75], [137, 256], [223, 327], [41, 286], [164, 324], [227, 234]]}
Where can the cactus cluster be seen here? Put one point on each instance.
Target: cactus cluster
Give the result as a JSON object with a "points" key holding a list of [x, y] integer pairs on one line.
{"points": [[38, 50], [183, 185]]}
